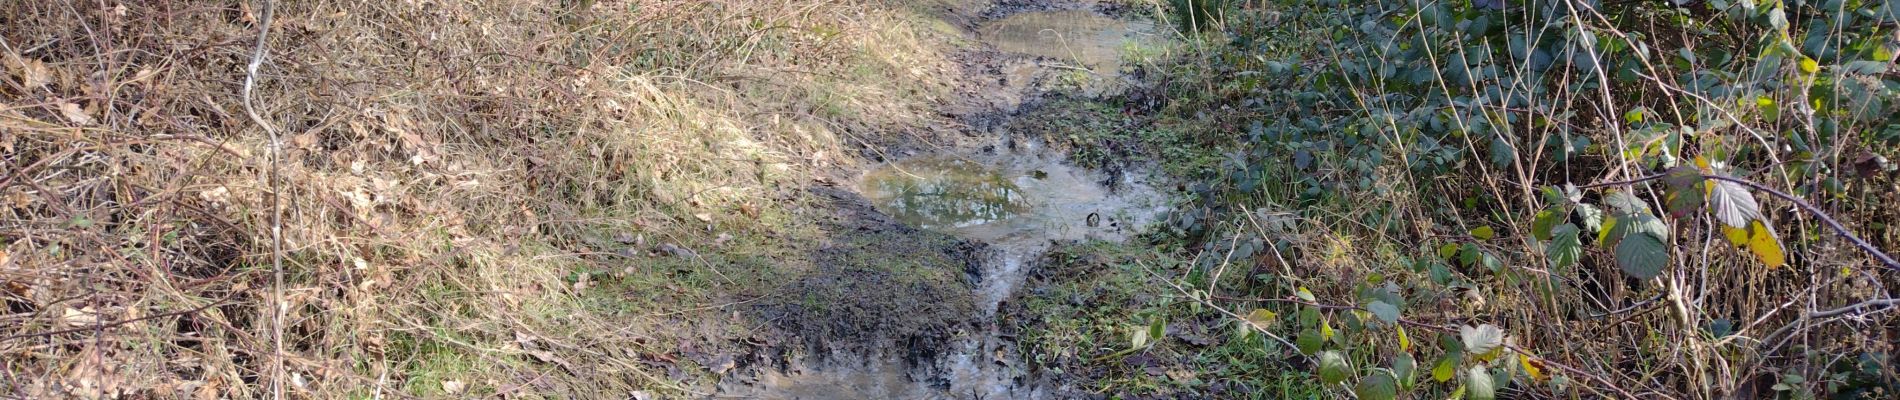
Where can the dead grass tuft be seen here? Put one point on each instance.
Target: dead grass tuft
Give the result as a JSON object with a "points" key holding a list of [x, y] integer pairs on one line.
{"points": [[449, 168]]}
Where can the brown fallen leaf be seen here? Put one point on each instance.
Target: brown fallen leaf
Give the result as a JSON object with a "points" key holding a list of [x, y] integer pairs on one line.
{"points": [[453, 387], [74, 113], [33, 73], [80, 317]]}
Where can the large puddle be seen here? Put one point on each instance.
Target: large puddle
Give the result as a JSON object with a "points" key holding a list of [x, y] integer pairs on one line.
{"points": [[1077, 38], [1019, 201]]}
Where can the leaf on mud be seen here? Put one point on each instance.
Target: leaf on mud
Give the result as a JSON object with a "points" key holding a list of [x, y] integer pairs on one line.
{"points": [[1333, 368], [719, 365], [1759, 239], [677, 251], [1481, 340], [1732, 203], [1642, 256]]}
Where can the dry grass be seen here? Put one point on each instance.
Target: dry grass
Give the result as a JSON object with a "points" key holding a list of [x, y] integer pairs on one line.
{"points": [[448, 167]]}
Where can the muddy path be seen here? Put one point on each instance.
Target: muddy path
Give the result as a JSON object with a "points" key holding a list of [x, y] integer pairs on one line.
{"points": [[927, 243]]}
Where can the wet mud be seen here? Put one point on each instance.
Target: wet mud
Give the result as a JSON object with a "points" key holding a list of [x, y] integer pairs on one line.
{"points": [[929, 241]]}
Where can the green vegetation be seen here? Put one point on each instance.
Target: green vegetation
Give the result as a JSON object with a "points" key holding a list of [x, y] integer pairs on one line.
{"points": [[1567, 198], [646, 198], [513, 199]]}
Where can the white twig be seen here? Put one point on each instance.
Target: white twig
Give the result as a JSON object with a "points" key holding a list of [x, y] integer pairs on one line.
{"points": [[276, 206]]}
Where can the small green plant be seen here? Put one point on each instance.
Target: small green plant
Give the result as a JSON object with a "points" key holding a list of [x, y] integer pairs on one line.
{"points": [[1196, 15]]}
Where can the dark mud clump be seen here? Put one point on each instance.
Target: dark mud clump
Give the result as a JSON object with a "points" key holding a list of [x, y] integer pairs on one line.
{"points": [[877, 282]]}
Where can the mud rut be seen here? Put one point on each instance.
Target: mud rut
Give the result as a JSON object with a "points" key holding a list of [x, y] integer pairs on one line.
{"points": [[992, 200]]}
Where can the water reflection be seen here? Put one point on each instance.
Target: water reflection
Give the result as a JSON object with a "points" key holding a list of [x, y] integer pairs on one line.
{"points": [[1085, 38], [945, 193]]}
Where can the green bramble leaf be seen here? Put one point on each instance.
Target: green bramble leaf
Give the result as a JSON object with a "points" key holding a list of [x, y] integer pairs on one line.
{"points": [[1384, 311], [1642, 256], [1378, 386], [1482, 386], [1565, 246], [1333, 368]]}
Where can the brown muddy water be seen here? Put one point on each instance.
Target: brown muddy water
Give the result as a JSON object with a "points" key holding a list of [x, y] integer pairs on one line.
{"points": [[1016, 197]]}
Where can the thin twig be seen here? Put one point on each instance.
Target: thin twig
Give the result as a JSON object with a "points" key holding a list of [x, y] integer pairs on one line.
{"points": [[1869, 248], [1831, 223], [276, 196], [1857, 308], [101, 326]]}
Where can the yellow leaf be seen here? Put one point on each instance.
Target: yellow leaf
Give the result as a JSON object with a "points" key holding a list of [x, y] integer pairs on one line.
{"points": [[1702, 163], [1763, 243], [1532, 367], [1603, 235], [1261, 317], [1760, 240], [1735, 236], [1484, 233], [1405, 343], [1325, 330]]}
